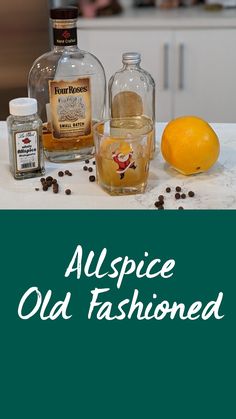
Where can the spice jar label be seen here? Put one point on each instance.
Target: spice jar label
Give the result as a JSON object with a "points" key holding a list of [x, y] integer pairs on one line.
{"points": [[70, 103], [26, 150]]}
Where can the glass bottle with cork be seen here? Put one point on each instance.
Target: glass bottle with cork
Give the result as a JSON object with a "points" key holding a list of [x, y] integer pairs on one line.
{"points": [[25, 139], [132, 94], [69, 85]]}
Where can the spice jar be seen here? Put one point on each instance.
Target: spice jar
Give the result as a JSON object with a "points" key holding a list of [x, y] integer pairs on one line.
{"points": [[25, 139]]}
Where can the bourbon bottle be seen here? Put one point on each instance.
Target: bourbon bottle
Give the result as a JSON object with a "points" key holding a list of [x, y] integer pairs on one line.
{"points": [[69, 85]]}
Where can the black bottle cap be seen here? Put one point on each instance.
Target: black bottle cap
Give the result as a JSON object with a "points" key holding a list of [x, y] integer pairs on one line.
{"points": [[64, 13]]}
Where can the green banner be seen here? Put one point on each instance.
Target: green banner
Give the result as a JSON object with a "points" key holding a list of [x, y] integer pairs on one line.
{"points": [[117, 314]]}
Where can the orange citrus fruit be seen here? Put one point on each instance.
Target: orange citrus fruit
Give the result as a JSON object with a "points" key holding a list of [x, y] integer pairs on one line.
{"points": [[190, 145]]}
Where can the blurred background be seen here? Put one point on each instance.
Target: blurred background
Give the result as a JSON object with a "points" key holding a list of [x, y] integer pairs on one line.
{"points": [[24, 35], [188, 46]]}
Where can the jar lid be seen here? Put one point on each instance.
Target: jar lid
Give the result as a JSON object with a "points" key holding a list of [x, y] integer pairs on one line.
{"points": [[23, 106], [64, 13], [131, 58]]}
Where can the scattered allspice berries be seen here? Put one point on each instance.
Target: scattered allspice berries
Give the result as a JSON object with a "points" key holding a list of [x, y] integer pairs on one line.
{"points": [[159, 204], [191, 194], [50, 181]]}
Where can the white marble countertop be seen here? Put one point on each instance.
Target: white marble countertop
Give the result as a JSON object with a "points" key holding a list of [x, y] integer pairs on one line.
{"points": [[153, 18], [215, 189]]}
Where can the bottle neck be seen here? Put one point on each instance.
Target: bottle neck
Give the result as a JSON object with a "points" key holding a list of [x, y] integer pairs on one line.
{"points": [[131, 66], [64, 34]]}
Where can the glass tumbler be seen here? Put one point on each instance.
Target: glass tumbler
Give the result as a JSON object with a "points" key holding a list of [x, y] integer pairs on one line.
{"points": [[122, 151]]}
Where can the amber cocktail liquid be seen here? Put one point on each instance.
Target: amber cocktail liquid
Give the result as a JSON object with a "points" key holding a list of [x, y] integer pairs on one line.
{"points": [[122, 155]]}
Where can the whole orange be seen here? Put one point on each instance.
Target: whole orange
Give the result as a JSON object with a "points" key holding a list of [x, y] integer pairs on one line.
{"points": [[190, 145]]}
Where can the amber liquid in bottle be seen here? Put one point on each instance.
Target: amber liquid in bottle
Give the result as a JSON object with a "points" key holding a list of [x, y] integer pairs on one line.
{"points": [[52, 144]]}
